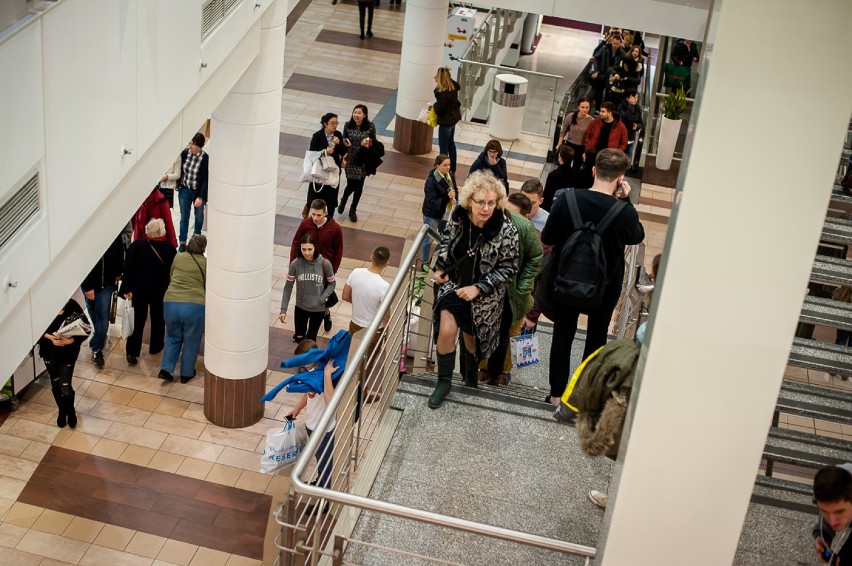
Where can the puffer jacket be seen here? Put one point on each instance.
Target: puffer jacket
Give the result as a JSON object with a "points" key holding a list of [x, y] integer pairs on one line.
{"points": [[617, 134], [447, 106], [436, 195], [529, 264]]}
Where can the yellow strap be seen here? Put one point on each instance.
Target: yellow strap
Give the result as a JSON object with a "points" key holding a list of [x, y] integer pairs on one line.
{"points": [[575, 377]]}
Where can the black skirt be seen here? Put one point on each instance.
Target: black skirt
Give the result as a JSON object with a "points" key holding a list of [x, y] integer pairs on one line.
{"points": [[459, 308]]}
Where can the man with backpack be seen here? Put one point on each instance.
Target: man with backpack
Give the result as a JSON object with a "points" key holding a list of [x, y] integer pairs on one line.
{"points": [[588, 229]]}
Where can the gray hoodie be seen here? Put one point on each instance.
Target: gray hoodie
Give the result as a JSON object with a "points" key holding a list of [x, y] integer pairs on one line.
{"points": [[316, 284]]}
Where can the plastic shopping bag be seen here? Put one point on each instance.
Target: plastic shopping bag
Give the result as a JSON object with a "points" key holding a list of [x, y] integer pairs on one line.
{"points": [[432, 119], [308, 166], [525, 349], [283, 447], [127, 320], [424, 112]]}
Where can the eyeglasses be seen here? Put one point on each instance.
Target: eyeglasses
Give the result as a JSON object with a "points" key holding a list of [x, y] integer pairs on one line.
{"points": [[485, 203]]}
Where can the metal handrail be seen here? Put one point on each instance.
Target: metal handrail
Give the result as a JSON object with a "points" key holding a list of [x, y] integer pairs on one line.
{"points": [[512, 69], [349, 374]]}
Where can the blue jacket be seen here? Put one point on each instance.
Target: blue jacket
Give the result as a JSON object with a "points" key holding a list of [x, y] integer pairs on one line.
{"points": [[312, 381]]}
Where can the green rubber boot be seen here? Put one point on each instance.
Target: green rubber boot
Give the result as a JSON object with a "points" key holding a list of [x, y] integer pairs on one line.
{"points": [[471, 370], [446, 365]]}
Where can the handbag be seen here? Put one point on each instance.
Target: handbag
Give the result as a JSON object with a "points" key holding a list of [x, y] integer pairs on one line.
{"points": [[113, 308], [432, 118], [332, 300], [283, 447], [127, 320], [675, 76], [525, 349]]}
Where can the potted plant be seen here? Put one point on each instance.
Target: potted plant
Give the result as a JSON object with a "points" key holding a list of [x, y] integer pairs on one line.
{"points": [[674, 106]]}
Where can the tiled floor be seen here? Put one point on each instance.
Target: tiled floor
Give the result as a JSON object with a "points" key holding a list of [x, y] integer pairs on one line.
{"points": [[145, 478]]}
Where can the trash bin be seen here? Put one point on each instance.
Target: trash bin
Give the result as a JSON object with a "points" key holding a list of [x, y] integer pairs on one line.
{"points": [[507, 106]]}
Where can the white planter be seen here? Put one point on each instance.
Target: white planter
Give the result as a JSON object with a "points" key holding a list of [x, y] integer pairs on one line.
{"points": [[669, 130]]}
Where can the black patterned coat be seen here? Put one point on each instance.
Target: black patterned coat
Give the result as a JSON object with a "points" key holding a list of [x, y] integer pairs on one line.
{"points": [[495, 265]]}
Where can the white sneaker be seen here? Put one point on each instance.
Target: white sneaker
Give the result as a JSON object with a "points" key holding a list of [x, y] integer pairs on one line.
{"points": [[598, 498]]}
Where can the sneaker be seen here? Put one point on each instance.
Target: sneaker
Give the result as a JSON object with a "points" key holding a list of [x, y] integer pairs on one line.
{"points": [[165, 376], [131, 360], [98, 358], [185, 379], [327, 322], [352, 216], [598, 498]]}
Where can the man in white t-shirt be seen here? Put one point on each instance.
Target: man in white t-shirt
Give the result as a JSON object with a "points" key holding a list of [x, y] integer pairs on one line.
{"points": [[366, 289], [534, 191]]}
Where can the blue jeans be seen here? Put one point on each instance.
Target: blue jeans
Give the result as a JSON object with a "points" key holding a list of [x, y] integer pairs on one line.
{"points": [[324, 458], [99, 314], [426, 246], [447, 143], [186, 200], [184, 327]]}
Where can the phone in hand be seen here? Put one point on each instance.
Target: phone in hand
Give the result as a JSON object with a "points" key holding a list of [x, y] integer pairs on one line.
{"points": [[826, 555], [290, 418]]}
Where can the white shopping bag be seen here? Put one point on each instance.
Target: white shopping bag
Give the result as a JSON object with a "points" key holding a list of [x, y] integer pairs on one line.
{"points": [[283, 446], [319, 168], [524, 349], [127, 320]]}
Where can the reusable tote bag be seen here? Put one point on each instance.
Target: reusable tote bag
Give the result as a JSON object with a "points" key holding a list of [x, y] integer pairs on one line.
{"points": [[525, 349], [283, 446]]}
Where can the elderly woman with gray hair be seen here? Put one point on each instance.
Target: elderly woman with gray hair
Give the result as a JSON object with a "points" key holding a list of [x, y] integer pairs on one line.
{"points": [[184, 310], [476, 260], [146, 278]]}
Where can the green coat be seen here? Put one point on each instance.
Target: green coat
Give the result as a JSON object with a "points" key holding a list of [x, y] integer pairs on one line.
{"points": [[529, 264]]}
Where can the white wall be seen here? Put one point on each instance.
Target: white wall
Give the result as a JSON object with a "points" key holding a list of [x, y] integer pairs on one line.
{"points": [[90, 77]]}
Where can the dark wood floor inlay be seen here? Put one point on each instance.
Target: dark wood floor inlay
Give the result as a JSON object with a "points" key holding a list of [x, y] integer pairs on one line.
{"points": [[159, 503], [347, 39], [338, 88]]}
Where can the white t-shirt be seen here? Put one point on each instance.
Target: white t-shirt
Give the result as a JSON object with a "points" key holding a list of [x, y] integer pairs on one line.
{"points": [[368, 290], [540, 219], [315, 408]]}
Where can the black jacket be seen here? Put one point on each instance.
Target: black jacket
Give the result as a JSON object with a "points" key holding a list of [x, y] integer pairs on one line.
{"points": [[447, 106], [563, 177], [319, 142], [630, 115], [145, 274], [499, 170], [202, 173], [436, 197], [683, 53], [62, 354], [603, 59], [108, 269], [371, 157]]}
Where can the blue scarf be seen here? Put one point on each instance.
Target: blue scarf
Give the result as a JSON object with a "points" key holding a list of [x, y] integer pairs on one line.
{"points": [[313, 381]]}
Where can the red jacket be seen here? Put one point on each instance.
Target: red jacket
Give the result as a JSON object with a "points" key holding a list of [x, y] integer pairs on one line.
{"points": [[155, 206], [329, 238], [617, 134]]}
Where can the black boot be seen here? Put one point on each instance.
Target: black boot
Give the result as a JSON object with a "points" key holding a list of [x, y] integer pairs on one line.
{"points": [[69, 410], [446, 364], [62, 419], [471, 370]]}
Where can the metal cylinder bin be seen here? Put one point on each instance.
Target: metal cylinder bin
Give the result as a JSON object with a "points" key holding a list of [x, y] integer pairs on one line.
{"points": [[508, 100]]}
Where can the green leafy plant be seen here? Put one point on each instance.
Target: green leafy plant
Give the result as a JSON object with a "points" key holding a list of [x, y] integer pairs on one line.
{"points": [[675, 104]]}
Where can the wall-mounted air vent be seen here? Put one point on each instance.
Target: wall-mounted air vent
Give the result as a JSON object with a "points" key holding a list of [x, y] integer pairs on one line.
{"points": [[213, 13], [20, 207]]}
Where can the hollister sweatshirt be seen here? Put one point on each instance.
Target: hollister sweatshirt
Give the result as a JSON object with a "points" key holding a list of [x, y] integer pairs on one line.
{"points": [[315, 284]]}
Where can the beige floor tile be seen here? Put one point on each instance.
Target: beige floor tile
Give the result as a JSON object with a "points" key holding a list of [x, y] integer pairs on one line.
{"points": [[253, 481], [53, 546], [192, 448], [10, 488], [175, 425], [14, 557], [209, 557], [5, 505], [11, 535], [34, 431], [195, 468], [225, 475], [231, 437], [97, 390], [102, 556], [177, 552], [242, 459], [17, 468], [120, 413], [166, 461], [114, 537], [138, 455], [83, 529], [145, 401], [80, 442], [37, 412], [145, 544], [13, 446], [53, 522], [34, 452], [237, 560], [92, 425], [135, 435], [109, 448], [23, 514]]}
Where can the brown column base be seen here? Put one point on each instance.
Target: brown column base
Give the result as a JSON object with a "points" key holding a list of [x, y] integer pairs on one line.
{"points": [[412, 137], [234, 403]]}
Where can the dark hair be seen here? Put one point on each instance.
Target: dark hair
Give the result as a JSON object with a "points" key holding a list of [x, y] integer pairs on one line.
{"points": [[833, 484], [630, 62], [197, 244], [305, 345], [381, 256], [365, 123], [579, 102], [308, 239], [198, 139], [326, 118], [522, 201], [630, 92], [608, 106], [318, 204], [440, 158], [611, 163], [655, 264], [494, 145], [532, 186], [566, 153]]}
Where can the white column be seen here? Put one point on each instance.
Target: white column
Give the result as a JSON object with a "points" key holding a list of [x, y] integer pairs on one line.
{"points": [[241, 224], [755, 188]]}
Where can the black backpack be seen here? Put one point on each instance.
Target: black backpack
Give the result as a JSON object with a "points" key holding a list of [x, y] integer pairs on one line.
{"points": [[580, 279]]}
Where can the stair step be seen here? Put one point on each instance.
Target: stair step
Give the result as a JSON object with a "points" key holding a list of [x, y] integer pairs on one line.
{"points": [[513, 394], [832, 270], [821, 356], [827, 312], [804, 449], [837, 230], [815, 402], [783, 493], [839, 194]]}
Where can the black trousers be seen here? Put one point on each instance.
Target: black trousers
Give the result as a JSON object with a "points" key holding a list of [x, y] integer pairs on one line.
{"points": [[141, 307], [564, 329], [353, 187], [498, 358], [577, 163], [307, 323], [328, 195], [368, 8], [61, 385]]}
